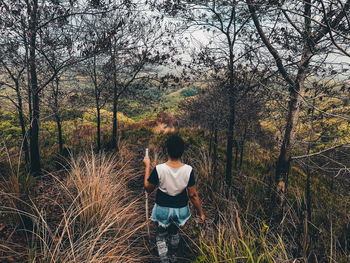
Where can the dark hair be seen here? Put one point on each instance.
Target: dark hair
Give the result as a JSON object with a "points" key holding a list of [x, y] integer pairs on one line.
{"points": [[175, 146]]}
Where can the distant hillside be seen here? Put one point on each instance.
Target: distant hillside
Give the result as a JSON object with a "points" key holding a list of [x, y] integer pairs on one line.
{"points": [[148, 103]]}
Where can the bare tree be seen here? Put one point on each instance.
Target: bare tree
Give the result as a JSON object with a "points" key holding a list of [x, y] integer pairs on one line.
{"points": [[227, 21], [12, 73], [130, 56], [210, 110], [45, 27], [299, 22]]}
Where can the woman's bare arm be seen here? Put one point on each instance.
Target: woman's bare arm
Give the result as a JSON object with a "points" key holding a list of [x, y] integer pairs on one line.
{"points": [[193, 195], [148, 186]]}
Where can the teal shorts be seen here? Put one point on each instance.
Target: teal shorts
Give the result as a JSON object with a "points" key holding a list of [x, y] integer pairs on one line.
{"points": [[167, 215]]}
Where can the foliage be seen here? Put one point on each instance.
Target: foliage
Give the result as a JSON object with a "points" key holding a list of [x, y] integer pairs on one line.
{"points": [[254, 247], [189, 92], [106, 117], [148, 106], [10, 131], [135, 134]]}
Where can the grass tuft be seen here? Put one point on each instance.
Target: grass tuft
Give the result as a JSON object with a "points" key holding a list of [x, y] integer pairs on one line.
{"points": [[98, 218]]}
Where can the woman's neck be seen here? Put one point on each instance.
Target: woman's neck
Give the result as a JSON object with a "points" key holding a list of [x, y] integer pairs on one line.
{"points": [[174, 163]]}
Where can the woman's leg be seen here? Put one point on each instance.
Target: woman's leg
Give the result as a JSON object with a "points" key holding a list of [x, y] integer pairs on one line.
{"points": [[161, 240], [174, 240]]}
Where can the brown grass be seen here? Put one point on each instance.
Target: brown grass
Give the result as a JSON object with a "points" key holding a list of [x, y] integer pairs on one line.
{"points": [[99, 218]]}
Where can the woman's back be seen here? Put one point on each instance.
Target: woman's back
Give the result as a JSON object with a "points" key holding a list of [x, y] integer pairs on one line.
{"points": [[173, 181]]}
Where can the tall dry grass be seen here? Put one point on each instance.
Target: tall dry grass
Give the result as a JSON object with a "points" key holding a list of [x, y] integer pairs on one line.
{"points": [[98, 219], [228, 236], [102, 222], [14, 189], [232, 239]]}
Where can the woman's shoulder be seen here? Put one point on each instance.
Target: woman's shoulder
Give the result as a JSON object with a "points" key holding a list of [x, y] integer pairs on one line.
{"points": [[188, 168], [160, 167], [187, 165]]}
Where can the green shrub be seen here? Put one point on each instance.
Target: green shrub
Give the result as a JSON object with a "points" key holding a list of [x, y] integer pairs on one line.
{"points": [[189, 92]]}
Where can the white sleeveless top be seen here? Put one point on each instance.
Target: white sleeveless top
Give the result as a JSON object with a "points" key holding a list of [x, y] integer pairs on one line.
{"points": [[173, 181]]}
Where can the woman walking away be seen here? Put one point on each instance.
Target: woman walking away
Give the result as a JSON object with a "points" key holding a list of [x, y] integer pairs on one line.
{"points": [[176, 184]]}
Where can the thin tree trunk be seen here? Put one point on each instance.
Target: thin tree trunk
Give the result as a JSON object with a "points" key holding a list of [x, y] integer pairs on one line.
{"points": [[308, 194], [236, 154], [115, 121], [59, 129], [34, 140], [283, 163], [98, 127], [115, 107], [242, 147], [308, 172], [57, 116], [284, 159], [241, 154], [229, 148], [296, 91], [215, 152], [34, 135], [211, 132], [98, 108], [231, 120], [28, 82], [30, 108], [307, 219], [22, 123]]}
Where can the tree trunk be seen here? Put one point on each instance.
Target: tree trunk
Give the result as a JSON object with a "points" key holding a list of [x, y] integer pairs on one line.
{"points": [[307, 219], [283, 163], [308, 195], [241, 154], [59, 129], [115, 105], [211, 133], [98, 108], [34, 140], [231, 118], [115, 118], [34, 135], [215, 152], [229, 147], [242, 147], [236, 154], [284, 159], [115, 124], [296, 91], [98, 128], [57, 116], [22, 123], [308, 171], [29, 85]]}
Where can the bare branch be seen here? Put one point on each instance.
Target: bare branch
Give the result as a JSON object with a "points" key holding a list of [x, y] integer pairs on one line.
{"points": [[320, 152], [269, 46]]}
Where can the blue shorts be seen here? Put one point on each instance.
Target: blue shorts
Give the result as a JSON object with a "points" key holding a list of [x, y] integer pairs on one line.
{"points": [[167, 215]]}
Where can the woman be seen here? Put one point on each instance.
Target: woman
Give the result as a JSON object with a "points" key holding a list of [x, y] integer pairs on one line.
{"points": [[176, 185]]}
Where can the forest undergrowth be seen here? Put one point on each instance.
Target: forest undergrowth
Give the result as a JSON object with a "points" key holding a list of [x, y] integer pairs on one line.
{"points": [[85, 213], [93, 210]]}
